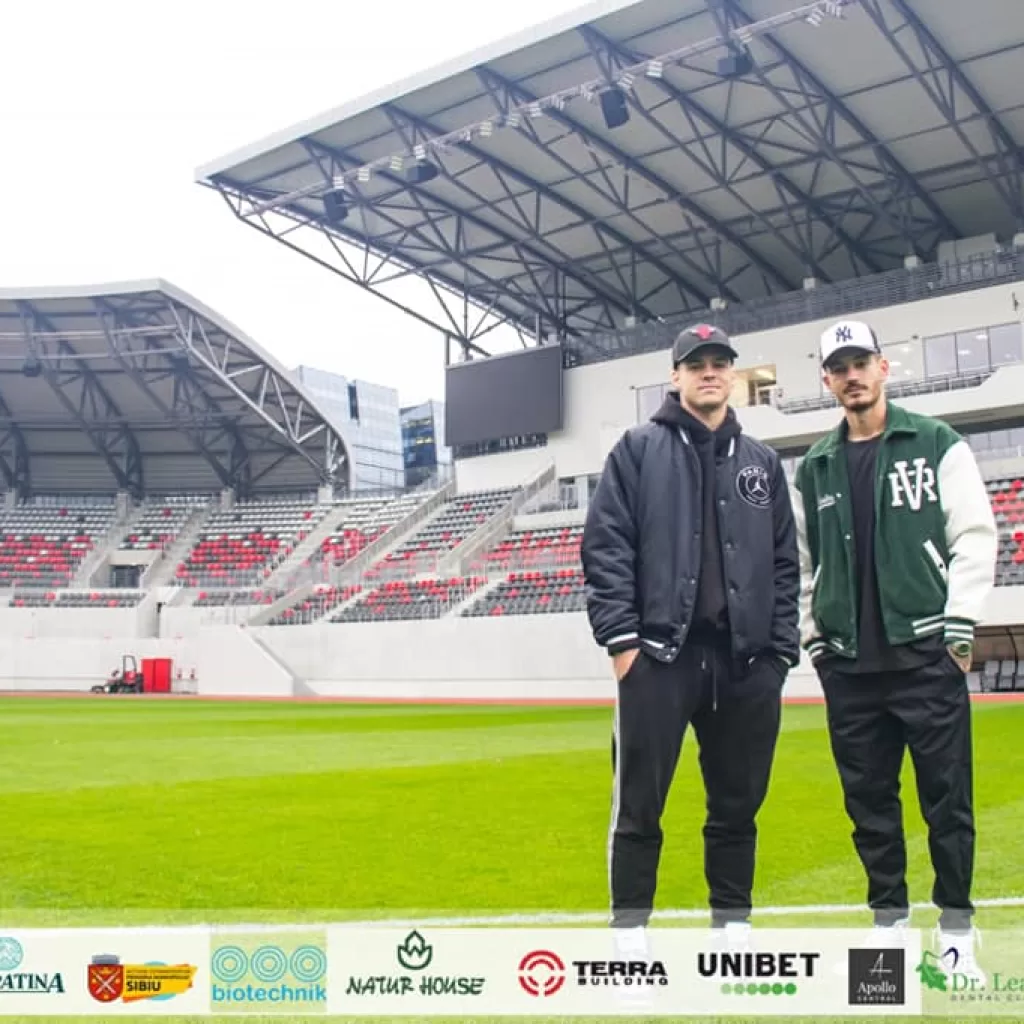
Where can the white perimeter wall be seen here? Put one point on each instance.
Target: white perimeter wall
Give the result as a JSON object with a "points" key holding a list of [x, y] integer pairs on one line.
{"points": [[513, 658], [541, 656], [600, 400]]}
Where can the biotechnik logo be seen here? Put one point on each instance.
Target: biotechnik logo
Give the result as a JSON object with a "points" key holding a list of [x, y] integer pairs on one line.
{"points": [[291, 973]]}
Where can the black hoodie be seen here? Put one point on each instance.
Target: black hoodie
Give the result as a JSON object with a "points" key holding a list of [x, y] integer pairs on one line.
{"points": [[711, 614]]}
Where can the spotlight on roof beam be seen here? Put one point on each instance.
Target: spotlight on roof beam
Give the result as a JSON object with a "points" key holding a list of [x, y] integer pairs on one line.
{"points": [[614, 108], [32, 367], [815, 18], [335, 206], [736, 65], [420, 172]]}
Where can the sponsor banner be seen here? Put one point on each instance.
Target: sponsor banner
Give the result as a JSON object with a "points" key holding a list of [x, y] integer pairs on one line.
{"points": [[475, 972], [103, 972], [269, 973]]}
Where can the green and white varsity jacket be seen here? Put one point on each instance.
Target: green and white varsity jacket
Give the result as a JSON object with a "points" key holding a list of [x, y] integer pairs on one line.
{"points": [[935, 537]]}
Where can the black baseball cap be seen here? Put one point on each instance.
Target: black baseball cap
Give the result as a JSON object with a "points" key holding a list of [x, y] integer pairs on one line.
{"points": [[698, 337]]}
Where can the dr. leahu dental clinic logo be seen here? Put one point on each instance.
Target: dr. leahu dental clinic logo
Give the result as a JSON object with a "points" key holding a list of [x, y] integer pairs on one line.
{"points": [[110, 980]]}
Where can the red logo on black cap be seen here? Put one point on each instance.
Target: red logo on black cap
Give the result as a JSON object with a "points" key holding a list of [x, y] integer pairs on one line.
{"points": [[703, 331]]}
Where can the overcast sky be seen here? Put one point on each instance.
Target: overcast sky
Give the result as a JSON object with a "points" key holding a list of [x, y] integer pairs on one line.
{"points": [[108, 107]]}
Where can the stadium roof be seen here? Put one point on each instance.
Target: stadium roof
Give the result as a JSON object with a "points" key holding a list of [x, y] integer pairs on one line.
{"points": [[140, 387], [767, 141]]}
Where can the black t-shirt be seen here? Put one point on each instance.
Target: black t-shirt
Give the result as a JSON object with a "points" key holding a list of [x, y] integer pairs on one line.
{"points": [[874, 652]]}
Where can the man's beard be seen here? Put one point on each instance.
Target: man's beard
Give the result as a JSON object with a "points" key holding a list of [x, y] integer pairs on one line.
{"points": [[860, 402]]}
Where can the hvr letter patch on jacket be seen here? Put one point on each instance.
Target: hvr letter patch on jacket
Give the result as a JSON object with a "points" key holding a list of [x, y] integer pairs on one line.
{"points": [[914, 490]]}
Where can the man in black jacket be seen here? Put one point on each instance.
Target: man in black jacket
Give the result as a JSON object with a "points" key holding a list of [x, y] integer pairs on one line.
{"points": [[692, 579]]}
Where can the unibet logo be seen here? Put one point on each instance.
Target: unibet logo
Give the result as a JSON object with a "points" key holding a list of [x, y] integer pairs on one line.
{"points": [[760, 973]]}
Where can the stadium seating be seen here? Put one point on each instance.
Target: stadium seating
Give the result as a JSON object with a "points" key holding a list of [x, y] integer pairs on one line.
{"points": [[459, 517], [536, 548], [365, 522], [160, 523], [411, 599], [533, 593], [77, 599], [1007, 497], [43, 545], [242, 545], [1002, 676], [316, 605]]}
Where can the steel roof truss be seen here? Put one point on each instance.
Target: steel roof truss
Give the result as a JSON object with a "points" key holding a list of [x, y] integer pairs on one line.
{"points": [[951, 91], [84, 398], [212, 349], [793, 198], [804, 119], [184, 392], [506, 94]]}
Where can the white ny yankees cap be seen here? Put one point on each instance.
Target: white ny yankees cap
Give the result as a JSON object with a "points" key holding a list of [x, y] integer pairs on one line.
{"points": [[847, 338]]}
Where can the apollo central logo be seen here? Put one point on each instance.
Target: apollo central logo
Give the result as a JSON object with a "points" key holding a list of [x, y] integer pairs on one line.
{"points": [[913, 487]]}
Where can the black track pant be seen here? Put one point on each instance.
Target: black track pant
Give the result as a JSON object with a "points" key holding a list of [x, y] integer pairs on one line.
{"points": [[872, 719], [737, 723]]}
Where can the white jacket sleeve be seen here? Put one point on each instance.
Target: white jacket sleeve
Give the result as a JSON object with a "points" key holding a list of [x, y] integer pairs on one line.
{"points": [[971, 539], [809, 639]]}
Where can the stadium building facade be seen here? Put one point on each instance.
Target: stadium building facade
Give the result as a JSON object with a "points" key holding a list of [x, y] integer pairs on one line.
{"points": [[592, 185], [426, 455], [367, 416]]}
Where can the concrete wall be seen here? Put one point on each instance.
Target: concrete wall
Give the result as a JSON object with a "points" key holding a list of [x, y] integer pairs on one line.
{"points": [[69, 622], [542, 656], [188, 619], [80, 662], [233, 662]]}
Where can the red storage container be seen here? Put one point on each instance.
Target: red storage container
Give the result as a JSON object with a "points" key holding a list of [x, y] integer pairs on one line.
{"points": [[156, 675]]}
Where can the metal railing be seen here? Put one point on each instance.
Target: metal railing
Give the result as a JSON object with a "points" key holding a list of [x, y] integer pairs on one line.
{"points": [[538, 560], [891, 288], [903, 389]]}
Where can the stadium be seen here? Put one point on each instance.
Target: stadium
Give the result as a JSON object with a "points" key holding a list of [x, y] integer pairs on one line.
{"points": [[180, 506]]}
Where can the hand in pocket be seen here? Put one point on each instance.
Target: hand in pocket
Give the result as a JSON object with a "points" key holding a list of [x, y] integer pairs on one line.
{"points": [[622, 663]]}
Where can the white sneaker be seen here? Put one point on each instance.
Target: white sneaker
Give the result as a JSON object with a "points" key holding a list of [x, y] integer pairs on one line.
{"points": [[733, 938], [632, 944], [881, 936], [956, 957]]}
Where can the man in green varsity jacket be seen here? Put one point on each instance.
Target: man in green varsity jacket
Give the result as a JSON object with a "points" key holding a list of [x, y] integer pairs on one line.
{"points": [[897, 551]]}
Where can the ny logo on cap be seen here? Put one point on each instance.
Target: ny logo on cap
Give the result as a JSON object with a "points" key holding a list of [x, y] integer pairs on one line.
{"points": [[844, 334], [703, 331]]}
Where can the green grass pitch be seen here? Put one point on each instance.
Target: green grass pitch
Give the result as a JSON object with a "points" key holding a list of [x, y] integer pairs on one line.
{"points": [[125, 810]]}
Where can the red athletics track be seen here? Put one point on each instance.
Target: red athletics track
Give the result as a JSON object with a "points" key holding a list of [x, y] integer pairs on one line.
{"points": [[566, 702]]}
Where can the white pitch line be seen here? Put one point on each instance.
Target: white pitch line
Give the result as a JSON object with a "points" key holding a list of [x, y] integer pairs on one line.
{"points": [[522, 920]]}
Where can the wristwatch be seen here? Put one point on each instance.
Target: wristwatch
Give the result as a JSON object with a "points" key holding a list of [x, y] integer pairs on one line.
{"points": [[962, 648]]}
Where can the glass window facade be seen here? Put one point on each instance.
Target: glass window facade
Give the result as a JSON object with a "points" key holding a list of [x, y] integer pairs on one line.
{"points": [[367, 416], [423, 451]]}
